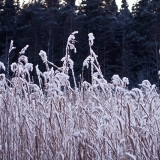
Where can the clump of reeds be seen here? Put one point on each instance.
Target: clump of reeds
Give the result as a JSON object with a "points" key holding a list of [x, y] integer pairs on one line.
{"points": [[100, 120]]}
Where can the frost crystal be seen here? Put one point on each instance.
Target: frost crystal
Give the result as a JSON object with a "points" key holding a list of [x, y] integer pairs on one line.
{"points": [[46, 75], [2, 66], [29, 66], [145, 84], [38, 71], [24, 49], [131, 156], [71, 41], [116, 80], [125, 81], [43, 56], [77, 135], [13, 67], [23, 58], [91, 38], [88, 60], [2, 77], [78, 119], [11, 46], [136, 94], [70, 62]]}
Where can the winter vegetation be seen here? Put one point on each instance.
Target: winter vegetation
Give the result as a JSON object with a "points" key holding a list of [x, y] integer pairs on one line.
{"points": [[93, 120], [127, 40]]}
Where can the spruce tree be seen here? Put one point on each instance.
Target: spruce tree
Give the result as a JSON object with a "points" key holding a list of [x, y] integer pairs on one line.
{"points": [[8, 26], [125, 21], [52, 3], [31, 30], [146, 25]]}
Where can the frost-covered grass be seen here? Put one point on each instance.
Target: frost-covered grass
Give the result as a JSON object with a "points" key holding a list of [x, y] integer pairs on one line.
{"points": [[101, 120]]}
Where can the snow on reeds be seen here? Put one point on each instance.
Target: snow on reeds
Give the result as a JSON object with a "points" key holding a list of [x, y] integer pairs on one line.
{"points": [[101, 120]]}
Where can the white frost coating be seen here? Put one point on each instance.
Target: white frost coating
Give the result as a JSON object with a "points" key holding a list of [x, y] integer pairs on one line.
{"points": [[116, 80], [23, 58], [2, 66], [38, 71], [2, 76], [20, 69], [43, 56], [125, 81], [146, 84], [88, 60], [71, 41], [13, 67], [96, 74], [99, 82], [95, 113], [131, 155], [86, 84], [11, 46], [24, 49], [106, 118], [70, 62], [120, 90], [77, 135], [137, 94], [63, 59], [91, 38], [29, 66], [34, 87], [62, 77], [99, 131], [46, 75]]}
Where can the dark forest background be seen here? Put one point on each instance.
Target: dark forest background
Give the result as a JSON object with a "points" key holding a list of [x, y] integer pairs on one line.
{"points": [[126, 42]]}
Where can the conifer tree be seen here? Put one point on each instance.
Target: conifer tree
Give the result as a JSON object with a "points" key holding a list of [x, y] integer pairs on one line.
{"points": [[125, 21], [52, 3], [114, 7], [8, 24], [145, 25]]}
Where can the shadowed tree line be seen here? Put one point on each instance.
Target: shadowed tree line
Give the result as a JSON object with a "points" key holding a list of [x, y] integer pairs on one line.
{"points": [[126, 42]]}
